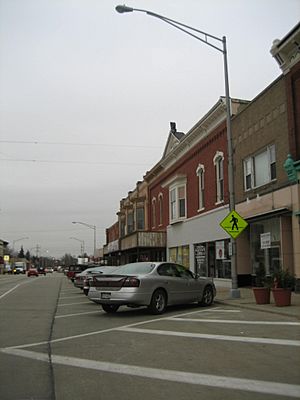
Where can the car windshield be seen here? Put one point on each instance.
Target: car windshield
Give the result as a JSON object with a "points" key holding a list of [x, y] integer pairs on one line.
{"points": [[136, 268]]}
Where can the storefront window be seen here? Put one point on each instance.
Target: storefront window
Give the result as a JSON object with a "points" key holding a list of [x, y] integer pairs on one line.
{"points": [[180, 255], [265, 245], [212, 259]]}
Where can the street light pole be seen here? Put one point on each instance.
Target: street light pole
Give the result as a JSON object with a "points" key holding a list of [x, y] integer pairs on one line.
{"points": [[212, 41], [81, 246], [92, 227]]}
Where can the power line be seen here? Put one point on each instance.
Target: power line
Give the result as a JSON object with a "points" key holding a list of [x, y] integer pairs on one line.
{"points": [[78, 144], [74, 162]]}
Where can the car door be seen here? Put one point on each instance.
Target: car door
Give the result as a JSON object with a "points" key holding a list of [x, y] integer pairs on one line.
{"points": [[190, 288], [172, 282]]}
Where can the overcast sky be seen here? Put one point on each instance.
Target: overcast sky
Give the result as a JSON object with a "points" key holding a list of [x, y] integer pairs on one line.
{"points": [[87, 95]]}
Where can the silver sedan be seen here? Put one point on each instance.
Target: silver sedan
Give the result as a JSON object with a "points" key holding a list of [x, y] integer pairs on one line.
{"points": [[151, 284]]}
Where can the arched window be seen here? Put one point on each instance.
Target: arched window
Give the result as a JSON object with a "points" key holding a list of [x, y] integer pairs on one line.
{"points": [[200, 173], [153, 212], [219, 168], [160, 208]]}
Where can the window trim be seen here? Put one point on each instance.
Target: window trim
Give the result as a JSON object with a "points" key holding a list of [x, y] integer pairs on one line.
{"points": [[219, 161], [160, 209], [200, 172], [175, 189], [153, 212]]}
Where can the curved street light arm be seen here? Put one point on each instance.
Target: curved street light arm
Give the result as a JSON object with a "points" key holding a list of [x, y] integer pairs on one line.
{"points": [[178, 25]]}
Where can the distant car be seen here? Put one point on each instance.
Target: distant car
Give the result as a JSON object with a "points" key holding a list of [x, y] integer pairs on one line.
{"points": [[19, 270], [41, 271], [49, 270], [151, 284], [32, 272]]}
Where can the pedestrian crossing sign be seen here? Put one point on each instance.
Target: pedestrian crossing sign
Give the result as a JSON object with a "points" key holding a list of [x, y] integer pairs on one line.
{"points": [[234, 224]]}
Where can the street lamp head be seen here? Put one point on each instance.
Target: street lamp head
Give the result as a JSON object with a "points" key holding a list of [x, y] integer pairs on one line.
{"points": [[123, 9]]}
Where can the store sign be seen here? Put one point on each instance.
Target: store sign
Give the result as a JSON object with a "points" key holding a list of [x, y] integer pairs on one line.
{"points": [[220, 250], [265, 240]]}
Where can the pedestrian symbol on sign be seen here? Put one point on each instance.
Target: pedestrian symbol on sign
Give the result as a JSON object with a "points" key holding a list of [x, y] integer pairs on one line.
{"points": [[234, 221]]}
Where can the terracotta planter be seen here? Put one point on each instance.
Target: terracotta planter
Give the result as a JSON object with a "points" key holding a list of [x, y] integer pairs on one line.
{"points": [[282, 296], [262, 295]]}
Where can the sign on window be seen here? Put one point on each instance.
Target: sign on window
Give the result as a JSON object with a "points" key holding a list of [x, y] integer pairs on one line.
{"points": [[265, 240]]}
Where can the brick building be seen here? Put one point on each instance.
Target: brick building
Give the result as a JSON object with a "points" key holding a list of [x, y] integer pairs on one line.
{"points": [[189, 197], [264, 134]]}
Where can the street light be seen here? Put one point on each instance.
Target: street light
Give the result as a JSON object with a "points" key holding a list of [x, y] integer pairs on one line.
{"points": [[81, 246], [235, 293], [92, 227]]}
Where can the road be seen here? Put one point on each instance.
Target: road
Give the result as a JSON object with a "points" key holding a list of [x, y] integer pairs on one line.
{"points": [[55, 344]]}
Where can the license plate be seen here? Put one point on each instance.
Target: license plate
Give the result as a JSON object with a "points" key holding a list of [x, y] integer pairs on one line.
{"points": [[105, 295]]}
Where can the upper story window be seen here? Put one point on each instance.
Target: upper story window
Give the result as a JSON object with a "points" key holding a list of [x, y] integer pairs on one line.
{"points": [[177, 202], [260, 169], [153, 212], [219, 166], [140, 218], [122, 227], [130, 222], [200, 173], [160, 208]]}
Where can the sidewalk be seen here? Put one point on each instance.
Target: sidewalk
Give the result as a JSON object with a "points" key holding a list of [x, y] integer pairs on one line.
{"points": [[247, 301]]}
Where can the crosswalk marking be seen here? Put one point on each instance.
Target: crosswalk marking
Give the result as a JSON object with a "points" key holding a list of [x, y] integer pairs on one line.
{"points": [[224, 382]]}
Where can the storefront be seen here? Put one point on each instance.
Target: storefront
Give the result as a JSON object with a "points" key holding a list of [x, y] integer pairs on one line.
{"points": [[206, 250]]}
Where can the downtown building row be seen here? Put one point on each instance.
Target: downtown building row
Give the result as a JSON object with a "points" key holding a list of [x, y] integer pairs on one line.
{"points": [[175, 212]]}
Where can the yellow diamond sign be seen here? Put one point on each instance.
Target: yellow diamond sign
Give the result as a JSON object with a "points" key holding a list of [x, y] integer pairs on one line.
{"points": [[234, 224]]}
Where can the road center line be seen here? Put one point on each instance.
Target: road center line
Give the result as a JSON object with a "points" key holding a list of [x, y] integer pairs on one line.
{"points": [[224, 382], [245, 339], [9, 291]]}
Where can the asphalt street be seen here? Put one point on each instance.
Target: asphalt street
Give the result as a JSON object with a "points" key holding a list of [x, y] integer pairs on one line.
{"points": [[56, 344]]}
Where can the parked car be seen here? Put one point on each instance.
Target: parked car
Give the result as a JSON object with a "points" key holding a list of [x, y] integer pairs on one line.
{"points": [[82, 280], [151, 284], [76, 269], [32, 272]]}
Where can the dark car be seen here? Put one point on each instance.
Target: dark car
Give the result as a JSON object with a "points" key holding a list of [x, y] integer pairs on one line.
{"points": [[76, 269], [41, 271]]}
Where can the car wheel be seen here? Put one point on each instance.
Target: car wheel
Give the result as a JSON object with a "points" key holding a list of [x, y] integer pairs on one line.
{"points": [[207, 297], [110, 308], [158, 302], [86, 291]]}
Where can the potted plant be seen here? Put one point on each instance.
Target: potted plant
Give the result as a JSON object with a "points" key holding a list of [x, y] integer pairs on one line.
{"points": [[261, 289], [283, 282]]}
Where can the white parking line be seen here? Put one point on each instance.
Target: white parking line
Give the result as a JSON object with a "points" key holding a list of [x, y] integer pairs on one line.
{"points": [[71, 297], [282, 342], [229, 321], [76, 314], [224, 382], [73, 304]]}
